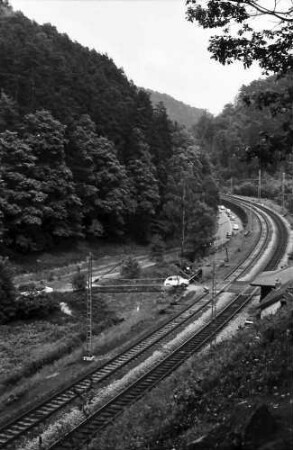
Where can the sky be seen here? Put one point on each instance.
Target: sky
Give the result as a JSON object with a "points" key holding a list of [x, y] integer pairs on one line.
{"points": [[153, 43]]}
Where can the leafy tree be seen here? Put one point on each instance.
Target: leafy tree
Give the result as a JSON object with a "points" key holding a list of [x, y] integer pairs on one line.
{"points": [[7, 292], [46, 137], [145, 192], [200, 230], [241, 39], [183, 190], [81, 146], [8, 113], [161, 144], [36, 305], [157, 248], [78, 281], [21, 196], [130, 268], [113, 201]]}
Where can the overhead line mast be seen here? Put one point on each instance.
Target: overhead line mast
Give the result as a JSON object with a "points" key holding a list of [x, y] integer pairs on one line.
{"points": [[89, 313]]}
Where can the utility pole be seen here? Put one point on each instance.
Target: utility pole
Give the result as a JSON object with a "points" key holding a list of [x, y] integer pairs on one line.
{"points": [[213, 289], [259, 185], [183, 219], [231, 185], [89, 319], [283, 192]]}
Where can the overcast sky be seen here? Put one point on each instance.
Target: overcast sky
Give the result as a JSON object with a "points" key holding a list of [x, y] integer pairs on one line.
{"points": [[152, 41]]}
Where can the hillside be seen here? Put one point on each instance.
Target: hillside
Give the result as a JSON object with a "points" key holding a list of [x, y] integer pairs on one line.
{"points": [[177, 110], [70, 115]]}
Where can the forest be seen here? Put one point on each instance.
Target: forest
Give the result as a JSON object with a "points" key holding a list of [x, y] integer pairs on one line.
{"points": [[253, 138], [85, 155]]}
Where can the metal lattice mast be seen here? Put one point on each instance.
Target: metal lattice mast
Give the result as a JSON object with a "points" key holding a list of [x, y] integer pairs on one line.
{"points": [[89, 318]]}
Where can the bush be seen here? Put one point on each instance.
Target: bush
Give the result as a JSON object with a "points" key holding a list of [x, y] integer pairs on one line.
{"points": [[130, 268], [7, 292], [78, 281], [35, 306], [247, 188], [157, 248]]}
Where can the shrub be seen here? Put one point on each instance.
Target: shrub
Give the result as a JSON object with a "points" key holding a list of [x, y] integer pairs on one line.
{"points": [[7, 292], [157, 248], [78, 281], [35, 306], [246, 188], [130, 268]]}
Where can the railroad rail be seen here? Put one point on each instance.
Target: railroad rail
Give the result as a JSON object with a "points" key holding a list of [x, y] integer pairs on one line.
{"points": [[21, 425], [84, 432]]}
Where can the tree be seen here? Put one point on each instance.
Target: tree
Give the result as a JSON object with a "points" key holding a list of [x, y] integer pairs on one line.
{"points": [[46, 137], [130, 268], [80, 148], [21, 195], [113, 201], [144, 188], [271, 47], [8, 113], [7, 292]]}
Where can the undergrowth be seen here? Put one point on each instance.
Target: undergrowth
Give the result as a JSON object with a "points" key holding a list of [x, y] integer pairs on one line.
{"points": [[254, 363]]}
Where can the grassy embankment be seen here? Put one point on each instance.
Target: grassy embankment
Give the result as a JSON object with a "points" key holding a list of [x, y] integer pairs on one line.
{"points": [[214, 395], [38, 356]]}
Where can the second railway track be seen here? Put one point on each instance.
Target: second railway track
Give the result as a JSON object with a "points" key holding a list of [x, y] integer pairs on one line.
{"points": [[17, 428]]}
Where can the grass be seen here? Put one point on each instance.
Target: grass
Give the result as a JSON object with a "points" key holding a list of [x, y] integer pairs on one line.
{"points": [[55, 345], [31, 352], [204, 394], [49, 353]]}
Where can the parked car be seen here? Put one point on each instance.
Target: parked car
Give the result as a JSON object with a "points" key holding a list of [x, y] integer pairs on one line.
{"points": [[33, 290], [249, 321], [176, 281], [235, 226], [47, 289], [228, 234]]}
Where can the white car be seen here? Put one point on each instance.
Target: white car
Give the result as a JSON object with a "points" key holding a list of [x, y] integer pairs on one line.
{"points": [[235, 226], [176, 281], [47, 289]]}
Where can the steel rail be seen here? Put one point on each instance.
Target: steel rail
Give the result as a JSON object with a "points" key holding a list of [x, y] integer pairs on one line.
{"points": [[37, 415], [84, 432]]}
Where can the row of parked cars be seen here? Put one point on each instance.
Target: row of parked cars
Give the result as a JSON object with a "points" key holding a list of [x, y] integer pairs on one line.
{"points": [[235, 226]]}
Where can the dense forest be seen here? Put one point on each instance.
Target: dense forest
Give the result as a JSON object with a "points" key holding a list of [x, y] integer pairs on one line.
{"points": [[177, 111], [251, 141], [84, 154]]}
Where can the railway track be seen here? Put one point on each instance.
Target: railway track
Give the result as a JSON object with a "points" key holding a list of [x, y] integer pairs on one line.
{"points": [[28, 421], [84, 432]]}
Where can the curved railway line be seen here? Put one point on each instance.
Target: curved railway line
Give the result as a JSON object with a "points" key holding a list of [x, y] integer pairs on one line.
{"points": [[30, 420]]}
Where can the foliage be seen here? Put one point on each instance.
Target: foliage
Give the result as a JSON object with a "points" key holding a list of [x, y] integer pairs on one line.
{"points": [[157, 248], [83, 152], [254, 133], [8, 305], [78, 281], [35, 305], [205, 391], [130, 268], [244, 38]]}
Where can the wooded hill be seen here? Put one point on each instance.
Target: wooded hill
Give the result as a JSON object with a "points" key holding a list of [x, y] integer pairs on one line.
{"points": [[177, 111], [254, 134], [85, 154]]}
